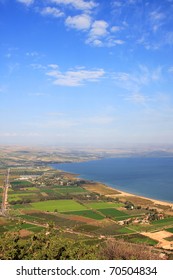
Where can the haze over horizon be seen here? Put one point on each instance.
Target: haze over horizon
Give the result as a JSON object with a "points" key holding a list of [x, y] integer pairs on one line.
{"points": [[82, 72]]}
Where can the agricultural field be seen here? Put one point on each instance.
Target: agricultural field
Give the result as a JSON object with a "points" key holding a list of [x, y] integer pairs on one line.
{"points": [[104, 205], [13, 227], [86, 213], [60, 221], [70, 190], [113, 213], [59, 205], [138, 238], [154, 225], [84, 210], [169, 229]]}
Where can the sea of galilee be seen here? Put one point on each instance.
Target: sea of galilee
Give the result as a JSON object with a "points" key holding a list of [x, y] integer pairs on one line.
{"points": [[148, 177]]}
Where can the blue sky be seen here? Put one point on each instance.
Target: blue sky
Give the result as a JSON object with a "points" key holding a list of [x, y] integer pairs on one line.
{"points": [[86, 72]]}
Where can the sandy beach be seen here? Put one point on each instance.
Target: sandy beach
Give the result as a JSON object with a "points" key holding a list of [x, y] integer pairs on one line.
{"points": [[109, 191]]}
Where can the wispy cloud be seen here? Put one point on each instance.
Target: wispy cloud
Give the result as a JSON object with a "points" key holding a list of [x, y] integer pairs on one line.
{"points": [[32, 54], [157, 19], [137, 98], [26, 2], [134, 83], [75, 77], [136, 80], [77, 4], [52, 11], [38, 66]]}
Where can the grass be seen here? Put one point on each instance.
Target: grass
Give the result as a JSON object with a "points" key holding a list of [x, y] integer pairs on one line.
{"points": [[102, 205], [20, 206], [59, 205], [86, 213]]}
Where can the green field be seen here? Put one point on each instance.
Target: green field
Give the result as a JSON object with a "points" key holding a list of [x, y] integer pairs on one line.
{"points": [[88, 228], [59, 205], [164, 222], [170, 230], [31, 227], [16, 227], [21, 183], [14, 197], [138, 238], [112, 212], [87, 214], [58, 219], [70, 190], [102, 205], [156, 225]]}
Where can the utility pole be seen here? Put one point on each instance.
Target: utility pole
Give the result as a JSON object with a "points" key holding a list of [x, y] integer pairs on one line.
{"points": [[5, 193]]}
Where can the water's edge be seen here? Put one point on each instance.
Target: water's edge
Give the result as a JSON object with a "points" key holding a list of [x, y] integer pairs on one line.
{"points": [[154, 184]]}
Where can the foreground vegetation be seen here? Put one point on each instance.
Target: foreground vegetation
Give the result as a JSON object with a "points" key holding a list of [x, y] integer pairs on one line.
{"points": [[49, 246]]}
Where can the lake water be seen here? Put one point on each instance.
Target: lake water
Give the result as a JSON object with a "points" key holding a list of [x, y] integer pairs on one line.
{"points": [[150, 177]]}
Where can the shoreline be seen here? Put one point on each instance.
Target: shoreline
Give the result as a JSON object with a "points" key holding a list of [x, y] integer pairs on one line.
{"points": [[120, 193]]}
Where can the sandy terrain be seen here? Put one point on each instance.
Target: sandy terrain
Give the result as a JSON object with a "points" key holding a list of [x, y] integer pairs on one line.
{"points": [[160, 237], [149, 200]]}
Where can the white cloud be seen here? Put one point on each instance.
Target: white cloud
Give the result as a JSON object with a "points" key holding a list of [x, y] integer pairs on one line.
{"points": [[80, 22], [26, 2], [52, 11], [114, 42], [97, 32], [75, 77], [116, 28], [99, 28], [77, 4], [53, 66]]}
